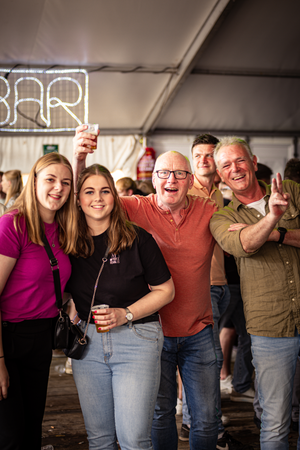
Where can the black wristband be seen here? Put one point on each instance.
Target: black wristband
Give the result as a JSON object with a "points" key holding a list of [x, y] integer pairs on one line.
{"points": [[282, 232]]}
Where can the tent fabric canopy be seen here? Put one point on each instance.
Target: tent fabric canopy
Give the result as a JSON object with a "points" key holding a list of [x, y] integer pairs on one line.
{"points": [[166, 66]]}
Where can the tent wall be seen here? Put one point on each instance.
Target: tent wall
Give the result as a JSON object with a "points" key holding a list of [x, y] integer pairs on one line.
{"points": [[122, 152], [114, 152]]}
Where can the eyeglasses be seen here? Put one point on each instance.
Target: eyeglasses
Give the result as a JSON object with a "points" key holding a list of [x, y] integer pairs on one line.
{"points": [[178, 174]]}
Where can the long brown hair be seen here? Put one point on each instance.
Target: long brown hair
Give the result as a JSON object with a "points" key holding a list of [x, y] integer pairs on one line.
{"points": [[121, 233], [27, 207], [16, 184]]}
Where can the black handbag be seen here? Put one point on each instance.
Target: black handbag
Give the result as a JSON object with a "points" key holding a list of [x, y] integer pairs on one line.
{"points": [[78, 342], [67, 335]]}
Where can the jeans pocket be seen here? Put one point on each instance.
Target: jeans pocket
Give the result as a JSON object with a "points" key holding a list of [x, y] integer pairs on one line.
{"points": [[150, 331]]}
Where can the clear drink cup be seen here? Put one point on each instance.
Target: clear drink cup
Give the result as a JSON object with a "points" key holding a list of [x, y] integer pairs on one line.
{"points": [[93, 128], [95, 308]]}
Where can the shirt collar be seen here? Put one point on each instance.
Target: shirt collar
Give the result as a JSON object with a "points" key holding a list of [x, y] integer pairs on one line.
{"points": [[267, 187], [199, 186]]}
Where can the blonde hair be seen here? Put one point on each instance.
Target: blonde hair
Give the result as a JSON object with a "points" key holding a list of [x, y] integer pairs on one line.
{"points": [[16, 184], [121, 233], [126, 183], [27, 207]]}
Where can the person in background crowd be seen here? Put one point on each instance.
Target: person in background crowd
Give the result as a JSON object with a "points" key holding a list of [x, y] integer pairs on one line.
{"points": [[118, 376], [292, 170], [226, 192], [262, 226], [239, 388], [12, 186], [172, 217], [2, 194], [127, 186], [264, 173], [145, 187], [204, 175], [27, 296]]}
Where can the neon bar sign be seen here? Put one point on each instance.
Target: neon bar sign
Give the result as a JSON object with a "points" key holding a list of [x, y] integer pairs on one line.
{"points": [[43, 101]]}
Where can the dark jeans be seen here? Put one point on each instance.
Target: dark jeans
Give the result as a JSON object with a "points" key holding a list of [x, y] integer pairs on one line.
{"points": [[196, 358], [243, 368], [28, 353]]}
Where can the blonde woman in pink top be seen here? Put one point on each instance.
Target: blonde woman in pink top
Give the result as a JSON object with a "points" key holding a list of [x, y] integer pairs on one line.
{"points": [[27, 296]]}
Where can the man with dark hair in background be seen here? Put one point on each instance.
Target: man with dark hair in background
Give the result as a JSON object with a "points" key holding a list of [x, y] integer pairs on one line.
{"points": [[204, 174], [292, 170], [263, 173]]}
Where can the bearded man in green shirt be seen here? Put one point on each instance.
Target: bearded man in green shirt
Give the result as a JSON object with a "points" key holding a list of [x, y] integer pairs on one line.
{"points": [[261, 228]]}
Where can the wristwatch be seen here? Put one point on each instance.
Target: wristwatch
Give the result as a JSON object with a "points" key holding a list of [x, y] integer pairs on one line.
{"points": [[282, 232], [128, 315]]}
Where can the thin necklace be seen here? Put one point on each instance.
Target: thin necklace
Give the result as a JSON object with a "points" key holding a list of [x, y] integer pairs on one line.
{"points": [[52, 237]]}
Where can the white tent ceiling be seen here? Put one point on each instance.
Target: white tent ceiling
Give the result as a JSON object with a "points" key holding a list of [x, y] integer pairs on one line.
{"points": [[168, 66]]}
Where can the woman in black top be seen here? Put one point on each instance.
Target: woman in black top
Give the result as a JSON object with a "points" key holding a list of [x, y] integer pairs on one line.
{"points": [[118, 377]]}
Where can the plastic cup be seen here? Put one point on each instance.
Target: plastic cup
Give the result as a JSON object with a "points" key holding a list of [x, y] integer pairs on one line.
{"points": [[93, 128], [95, 308]]}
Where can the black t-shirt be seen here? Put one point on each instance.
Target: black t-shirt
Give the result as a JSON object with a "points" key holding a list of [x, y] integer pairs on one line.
{"points": [[125, 277]]}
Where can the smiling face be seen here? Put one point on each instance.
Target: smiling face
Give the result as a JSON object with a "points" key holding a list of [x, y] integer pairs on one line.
{"points": [[52, 187], [203, 160], [237, 170], [97, 202], [171, 193]]}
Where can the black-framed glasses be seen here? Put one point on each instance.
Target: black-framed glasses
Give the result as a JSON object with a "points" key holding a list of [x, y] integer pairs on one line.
{"points": [[178, 174]]}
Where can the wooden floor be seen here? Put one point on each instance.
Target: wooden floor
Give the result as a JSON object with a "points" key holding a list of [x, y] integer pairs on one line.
{"points": [[63, 425]]}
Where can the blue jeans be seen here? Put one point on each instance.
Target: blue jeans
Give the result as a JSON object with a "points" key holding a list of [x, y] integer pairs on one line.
{"points": [[195, 356], [243, 367], [275, 360], [220, 297], [117, 381]]}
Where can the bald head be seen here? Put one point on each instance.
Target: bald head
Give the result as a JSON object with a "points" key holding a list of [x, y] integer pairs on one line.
{"points": [[169, 158], [171, 191]]}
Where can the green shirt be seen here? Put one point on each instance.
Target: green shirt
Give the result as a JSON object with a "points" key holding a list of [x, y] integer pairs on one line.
{"points": [[270, 276]]}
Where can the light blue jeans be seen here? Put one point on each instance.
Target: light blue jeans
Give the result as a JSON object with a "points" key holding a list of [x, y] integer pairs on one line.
{"points": [[196, 358], [117, 381], [275, 360]]}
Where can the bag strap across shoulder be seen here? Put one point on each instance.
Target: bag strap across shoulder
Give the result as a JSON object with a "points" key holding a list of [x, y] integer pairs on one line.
{"points": [[104, 259], [55, 272]]}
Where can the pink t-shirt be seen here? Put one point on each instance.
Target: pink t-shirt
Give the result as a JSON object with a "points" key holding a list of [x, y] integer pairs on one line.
{"points": [[187, 249], [29, 291]]}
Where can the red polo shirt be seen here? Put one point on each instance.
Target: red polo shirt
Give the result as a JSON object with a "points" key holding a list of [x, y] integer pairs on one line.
{"points": [[187, 248]]}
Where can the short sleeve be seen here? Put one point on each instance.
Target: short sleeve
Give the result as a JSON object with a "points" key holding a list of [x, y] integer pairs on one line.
{"points": [[10, 239], [154, 265]]}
